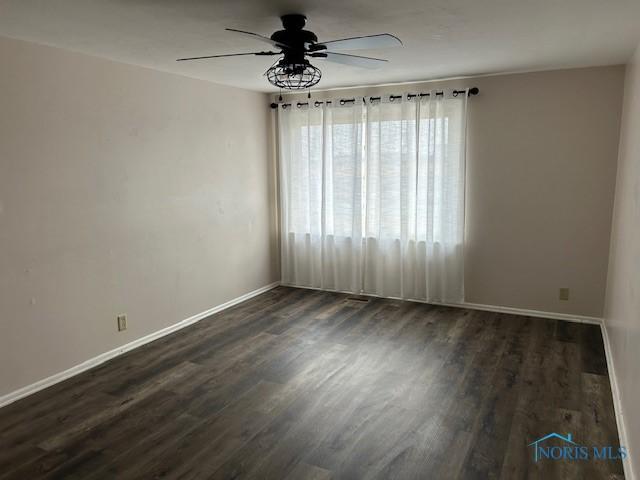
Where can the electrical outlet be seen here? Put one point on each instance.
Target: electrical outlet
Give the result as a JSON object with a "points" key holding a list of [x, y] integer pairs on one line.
{"points": [[563, 294], [122, 322]]}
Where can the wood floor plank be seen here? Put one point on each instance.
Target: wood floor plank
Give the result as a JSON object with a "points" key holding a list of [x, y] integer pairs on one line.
{"points": [[304, 384], [304, 471]]}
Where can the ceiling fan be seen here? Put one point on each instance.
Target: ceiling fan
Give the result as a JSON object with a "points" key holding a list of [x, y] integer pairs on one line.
{"points": [[293, 71]]}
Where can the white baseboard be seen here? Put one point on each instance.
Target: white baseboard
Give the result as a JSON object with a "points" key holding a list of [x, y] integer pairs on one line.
{"points": [[569, 317], [103, 357], [629, 474]]}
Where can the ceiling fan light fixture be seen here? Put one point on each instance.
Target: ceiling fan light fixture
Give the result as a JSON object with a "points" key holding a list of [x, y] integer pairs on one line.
{"points": [[294, 76]]}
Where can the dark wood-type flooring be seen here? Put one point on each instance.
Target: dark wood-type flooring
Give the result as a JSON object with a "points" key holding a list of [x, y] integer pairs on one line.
{"points": [[300, 384]]}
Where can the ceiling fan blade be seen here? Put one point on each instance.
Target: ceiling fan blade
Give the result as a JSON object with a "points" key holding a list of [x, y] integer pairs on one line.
{"points": [[383, 40], [228, 55], [353, 60], [257, 36]]}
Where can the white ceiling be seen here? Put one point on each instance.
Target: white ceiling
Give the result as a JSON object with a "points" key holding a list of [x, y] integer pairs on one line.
{"points": [[442, 38]]}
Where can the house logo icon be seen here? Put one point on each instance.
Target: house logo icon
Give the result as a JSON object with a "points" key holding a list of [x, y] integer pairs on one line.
{"points": [[555, 446], [555, 452]]}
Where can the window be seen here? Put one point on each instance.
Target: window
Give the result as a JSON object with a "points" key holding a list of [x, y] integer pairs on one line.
{"points": [[377, 186]]}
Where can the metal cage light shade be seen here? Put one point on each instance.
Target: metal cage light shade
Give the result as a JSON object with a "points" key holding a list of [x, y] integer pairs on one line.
{"points": [[294, 76]]}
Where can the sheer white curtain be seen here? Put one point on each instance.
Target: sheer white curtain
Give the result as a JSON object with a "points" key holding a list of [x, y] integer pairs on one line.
{"points": [[321, 159], [372, 197], [414, 223]]}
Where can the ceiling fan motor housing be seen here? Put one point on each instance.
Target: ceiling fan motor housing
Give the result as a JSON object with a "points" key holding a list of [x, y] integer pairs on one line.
{"points": [[293, 21], [294, 39]]}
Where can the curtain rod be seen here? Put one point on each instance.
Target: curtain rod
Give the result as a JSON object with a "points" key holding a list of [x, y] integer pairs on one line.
{"points": [[343, 101]]}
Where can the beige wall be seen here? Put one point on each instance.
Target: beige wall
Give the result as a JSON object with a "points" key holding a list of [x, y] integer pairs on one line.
{"points": [[540, 185], [122, 190], [541, 179], [622, 307]]}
